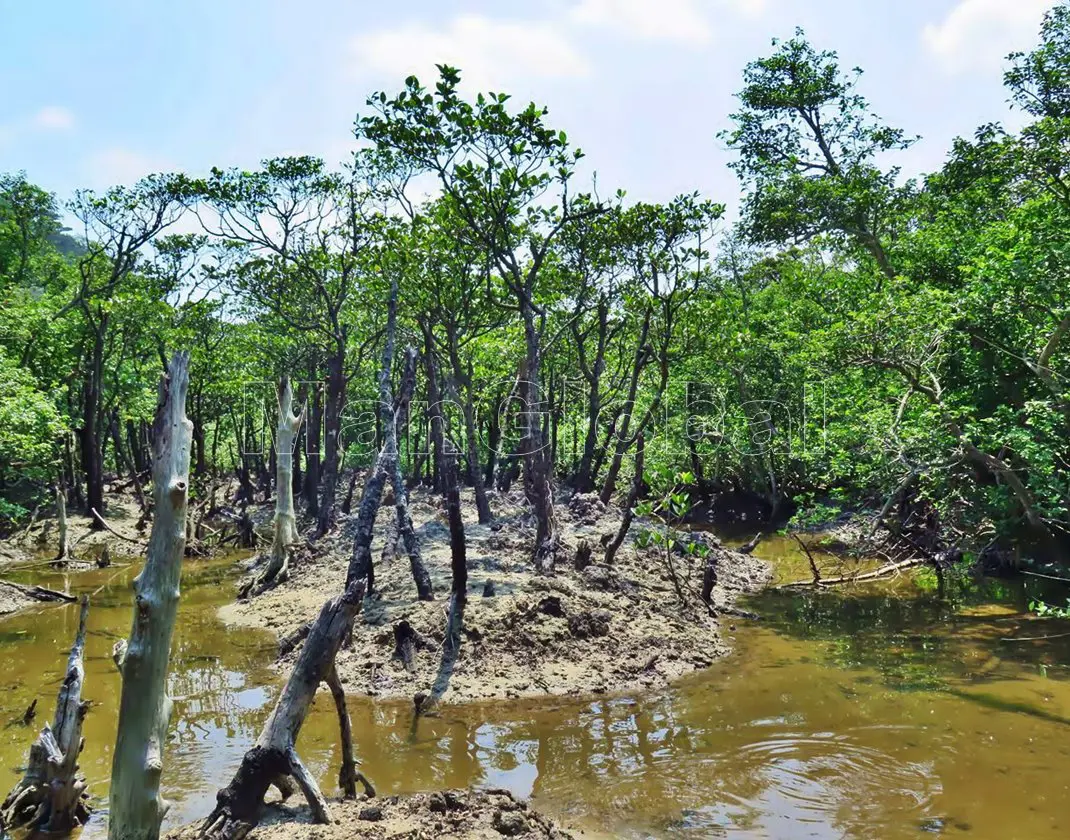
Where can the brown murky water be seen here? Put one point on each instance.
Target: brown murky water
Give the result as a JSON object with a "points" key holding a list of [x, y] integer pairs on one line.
{"points": [[875, 714]]}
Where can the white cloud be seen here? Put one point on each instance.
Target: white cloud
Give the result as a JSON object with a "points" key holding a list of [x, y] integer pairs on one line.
{"points": [[488, 52], [668, 20], [119, 166], [53, 118], [978, 34], [681, 21]]}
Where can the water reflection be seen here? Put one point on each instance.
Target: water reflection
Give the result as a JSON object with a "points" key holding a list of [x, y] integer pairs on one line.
{"points": [[841, 716]]}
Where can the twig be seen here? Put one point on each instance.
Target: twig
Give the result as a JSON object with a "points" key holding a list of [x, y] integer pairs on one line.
{"points": [[1046, 577], [810, 557], [1034, 638]]}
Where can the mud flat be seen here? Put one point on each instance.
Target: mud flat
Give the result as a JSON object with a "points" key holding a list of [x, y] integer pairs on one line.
{"points": [[604, 629]]}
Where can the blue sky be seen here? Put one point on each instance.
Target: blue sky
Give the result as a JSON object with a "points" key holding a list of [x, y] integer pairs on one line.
{"points": [[104, 92]]}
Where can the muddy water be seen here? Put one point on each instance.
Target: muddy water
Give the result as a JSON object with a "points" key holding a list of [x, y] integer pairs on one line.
{"points": [[884, 714]]}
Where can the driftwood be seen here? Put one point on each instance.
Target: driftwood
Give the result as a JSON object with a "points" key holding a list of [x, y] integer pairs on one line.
{"points": [[112, 531], [51, 796], [273, 759], [41, 593], [136, 807], [876, 574]]}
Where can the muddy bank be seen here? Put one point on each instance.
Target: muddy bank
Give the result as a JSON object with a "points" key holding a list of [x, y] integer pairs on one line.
{"points": [[597, 631], [449, 815], [13, 599], [39, 540]]}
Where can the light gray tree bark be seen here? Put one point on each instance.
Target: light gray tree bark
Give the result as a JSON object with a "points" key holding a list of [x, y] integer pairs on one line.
{"points": [[51, 796], [285, 522], [136, 808]]}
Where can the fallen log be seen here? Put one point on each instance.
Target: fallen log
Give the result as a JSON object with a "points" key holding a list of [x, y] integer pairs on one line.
{"points": [[51, 796], [273, 760], [41, 593], [111, 530]]}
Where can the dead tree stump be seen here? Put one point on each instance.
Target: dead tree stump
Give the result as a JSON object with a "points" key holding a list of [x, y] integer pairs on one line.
{"points": [[285, 522], [51, 796], [136, 807], [274, 760]]}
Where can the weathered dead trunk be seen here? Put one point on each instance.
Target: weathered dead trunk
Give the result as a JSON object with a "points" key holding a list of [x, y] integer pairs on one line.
{"points": [[274, 760], [51, 796], [629, 504], [136, 808], [285, 522]]}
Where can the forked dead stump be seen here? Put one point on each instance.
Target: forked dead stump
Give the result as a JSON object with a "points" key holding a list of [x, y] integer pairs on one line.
{"points": [[51, 796], [274, 758], [284, 525]]}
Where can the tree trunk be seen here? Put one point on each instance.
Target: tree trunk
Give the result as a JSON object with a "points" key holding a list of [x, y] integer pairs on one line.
{"points": [[89, 437], [285, 522], [629, 505], [361, 566], [128, 463], [401, 495], [274, 757], [642, 355], [64, 555], [332, 427], [537, 466], [451, 645], [136, 808], [51, 796], [312, 444], [471, 437]]}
